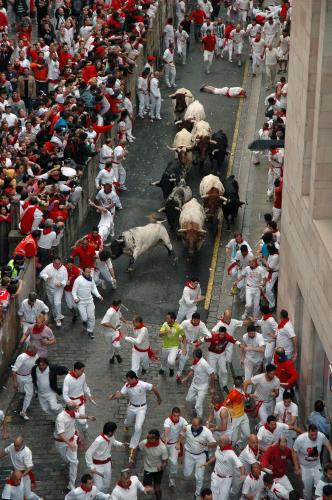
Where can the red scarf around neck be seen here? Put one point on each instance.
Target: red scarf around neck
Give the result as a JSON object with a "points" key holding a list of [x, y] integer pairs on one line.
{"points": [[152, 444], [223, 320], [172, 419], [226, 447], [189, 284], [73, 374], [37, 328], [84, 488], [217, 406], [120, 483], [71, 413], [254, 450], [268, 428], [195, 361], [11, 482], [105, 437], [133, 384], [140, 326], [282, 323], [29, 353], [267, 316]]}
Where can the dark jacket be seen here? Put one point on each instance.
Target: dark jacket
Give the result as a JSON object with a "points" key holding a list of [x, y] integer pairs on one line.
{"points": [[55, 370]]}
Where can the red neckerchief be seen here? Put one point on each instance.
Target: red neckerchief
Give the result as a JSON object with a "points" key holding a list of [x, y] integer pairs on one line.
{"points": [[217, 406], [120, 483], [257, 39], [71, 413], [84, 488], [222, 319], [189, 284], [227, 447], [133, 384], [47, 230], [104, 437], [195, 361], [283, 323], [11, 482], [73, 374], [172, 419], [29, 353], [140, 326], [152, 444], [254, 267], [268, 428], [37, 328], [113, 307], [267, 316], [254, 450]]}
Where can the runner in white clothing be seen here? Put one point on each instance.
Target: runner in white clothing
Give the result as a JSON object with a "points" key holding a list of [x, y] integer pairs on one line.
{"points": [[141, 351], [195, 330], [155, 97], [256, 277], [135, 390], [98, 456], [106, 223], [22, 380], [83, 288], [191, 295], [128, 486], [231, 324], [197, 440], [169, 66], [111, 325], [258, 48], [272, 489], [219, 421], [237, 35], [266, 390], [253, 485], [225, 461], [253, 352], [87, 490], [286, 337], [270, 433], [271, 32], [268, 326], [173, 428], [55, 276], [75, 389], [181, 38], [287, 412], [29, 309], [14, 489]]}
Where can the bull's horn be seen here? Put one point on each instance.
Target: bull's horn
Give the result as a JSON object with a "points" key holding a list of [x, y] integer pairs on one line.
{"points": [[204, 196], [170, 148], [177, 123], [161, 210], [213, 142], [172, 96], [154, 183], [223, 198], [120, 240], [202, 231], [182, 230], [178, 209]]}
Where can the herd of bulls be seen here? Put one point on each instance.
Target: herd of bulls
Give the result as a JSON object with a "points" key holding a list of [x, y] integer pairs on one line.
{"points": [[186, 216]]}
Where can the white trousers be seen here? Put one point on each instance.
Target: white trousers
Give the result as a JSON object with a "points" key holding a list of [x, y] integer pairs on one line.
{"points": [[168, 357], [272, 175], [28, 494], [268, 353], [269, 290], [185, 313], [69, 456], [256, 62], [265, 410], [70, 302], [155, 107], [141, 103], [284, 481], [49, 403], [173, 456], [54, 296], [271, 73], [170, 74], [139, 360], [184, 358], [136, 417], [120, 173], [208, 58], [218, 363], [251, 368], [276, 214], [24, 385], [241, 429], [193, 463], [197, 394], [229, 48], [113, 345], [182, 51], [103, 483], [310, 478], [253, 296], [87, 313], [220, 486]]}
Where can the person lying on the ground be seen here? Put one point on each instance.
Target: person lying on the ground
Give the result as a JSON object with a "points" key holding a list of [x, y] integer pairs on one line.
{"points": [[227, 91]]}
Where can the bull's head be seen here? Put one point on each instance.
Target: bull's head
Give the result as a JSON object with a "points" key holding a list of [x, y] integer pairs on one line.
{"points": [[117, 247], [193, 239]]}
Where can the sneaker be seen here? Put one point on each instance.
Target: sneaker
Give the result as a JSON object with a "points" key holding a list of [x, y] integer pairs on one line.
{"points": [[225, 389], [58, 323], [202, 88], [158, 118], [230, 60], [171, 483], [112, 361], [161, 372], [91, 335], [123, 188], [171, 372], [239, 64], [24, 416], [118, 358]]}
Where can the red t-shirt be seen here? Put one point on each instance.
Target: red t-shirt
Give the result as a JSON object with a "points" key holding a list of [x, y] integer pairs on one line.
{"points": [[218, 345], [278, 196], [209, 42], [198, 16], [86, 256], [73, 273], [276, 458], [95, 242]]}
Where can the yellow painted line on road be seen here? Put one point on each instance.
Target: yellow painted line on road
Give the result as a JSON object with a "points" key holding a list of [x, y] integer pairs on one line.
{"points": [[214, 259]]}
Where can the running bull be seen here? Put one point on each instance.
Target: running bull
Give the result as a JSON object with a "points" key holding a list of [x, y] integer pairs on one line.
{"points": [[192, 219], [170, 177], [194, 113], [183, 146], [231, 207], [181, 100], [180, 195], [134, 242], [212, 191], [202, 138]]}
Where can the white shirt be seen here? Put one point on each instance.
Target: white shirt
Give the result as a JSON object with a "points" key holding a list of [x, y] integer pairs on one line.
{"points": [[202, 371], [207, 7], [309, 451], [83, 290], [105, 154], [140, 338], [46, 240], [268, 328], [243, 4], [21, 459], [43, 381], [105, 177], [129, 493], [79, 494], [258, 47], [24, 364], [270, 29], [237, 36], [53, 69], [113, 317], [101, 449], [252, 30], [30, 313], [257, 341], [254, 276], [189, 295], [74, 388], [65, 424], [205, 27], [168, 57], [10, 118], [137, 394], [285, 413], [233, 246], [231, 326], [168, 34], [248, 457], [243, 260], [268, 438], [276, 492], [54, 277], [198, 444], [264, 387], [174, 429], [284, 338], [142, 84], [226, 461], [271, 57], [253, 486], [194, 333], [11, 492], [154, 88]]}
